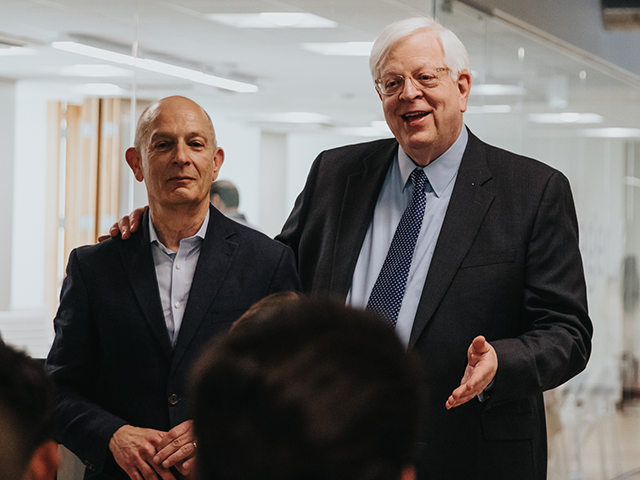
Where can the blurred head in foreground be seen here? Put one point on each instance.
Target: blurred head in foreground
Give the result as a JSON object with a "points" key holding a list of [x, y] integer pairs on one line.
{"points": [[26, 450], [317, 391]]}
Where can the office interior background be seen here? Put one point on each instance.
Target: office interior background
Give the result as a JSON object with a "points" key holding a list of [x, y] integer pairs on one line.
{"points": [[283, 80]]}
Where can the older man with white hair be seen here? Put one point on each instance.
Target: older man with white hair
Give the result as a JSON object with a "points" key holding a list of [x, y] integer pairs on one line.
{"points": [[470, 252]]}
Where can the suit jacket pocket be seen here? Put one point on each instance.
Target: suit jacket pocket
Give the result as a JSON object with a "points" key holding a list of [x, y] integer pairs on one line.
{"points": [[489, 258], [508, 426]]}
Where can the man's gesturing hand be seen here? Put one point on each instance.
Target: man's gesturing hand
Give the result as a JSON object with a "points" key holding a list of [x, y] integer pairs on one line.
{"points": [[481, 368], [133, 449], [177, 448]]}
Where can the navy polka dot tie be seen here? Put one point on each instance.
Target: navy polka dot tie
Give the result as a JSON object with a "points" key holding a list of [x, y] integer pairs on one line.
{"points": [[386, 297]]}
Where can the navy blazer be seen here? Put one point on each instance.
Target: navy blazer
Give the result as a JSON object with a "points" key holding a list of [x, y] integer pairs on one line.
{"points": [[506, 265], [112, 360]]}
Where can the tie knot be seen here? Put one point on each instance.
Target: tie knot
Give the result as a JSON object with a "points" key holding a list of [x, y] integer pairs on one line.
{"points": [[419, 179]]}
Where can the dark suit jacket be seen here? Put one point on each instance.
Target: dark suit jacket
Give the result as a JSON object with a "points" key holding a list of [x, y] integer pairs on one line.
{"points": [[112, 359], [506, 266]]}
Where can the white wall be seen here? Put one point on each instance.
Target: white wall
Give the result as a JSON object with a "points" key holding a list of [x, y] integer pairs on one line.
{"points": [[7, 140], [26, 321]]}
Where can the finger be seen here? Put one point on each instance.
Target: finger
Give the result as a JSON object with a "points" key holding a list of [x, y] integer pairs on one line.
{"points": [[179, 435], [133, 224], [453, 402], [184, 468], [480, 345], [455, 397], [123, 227], [135, 217], [147, 472], [102, 238], [134, 474], [163, 473], [184, 452]]}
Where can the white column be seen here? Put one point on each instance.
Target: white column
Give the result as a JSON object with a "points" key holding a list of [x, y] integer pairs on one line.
{"points": [[7, 155], [273, 182]]}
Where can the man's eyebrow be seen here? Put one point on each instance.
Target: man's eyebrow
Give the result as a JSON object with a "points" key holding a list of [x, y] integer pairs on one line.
{"points": [[169, 135], [157, 135]]}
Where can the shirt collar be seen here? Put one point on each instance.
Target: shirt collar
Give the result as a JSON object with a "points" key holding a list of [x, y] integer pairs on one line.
{"points": [[153, 236], [442, 170]]}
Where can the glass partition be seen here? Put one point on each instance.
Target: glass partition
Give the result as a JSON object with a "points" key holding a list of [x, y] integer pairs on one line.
{"points": [[75, 75]]}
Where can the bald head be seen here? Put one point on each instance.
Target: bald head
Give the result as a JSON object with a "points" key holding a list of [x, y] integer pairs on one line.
{"points": [[153, 111]]}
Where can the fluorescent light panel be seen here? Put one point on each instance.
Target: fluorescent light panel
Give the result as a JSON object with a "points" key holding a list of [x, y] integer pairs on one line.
{"points": [[353, 49], [100, 89], [612, 132], [565, 118], [494, 89], [272, 20], [155, 66]]}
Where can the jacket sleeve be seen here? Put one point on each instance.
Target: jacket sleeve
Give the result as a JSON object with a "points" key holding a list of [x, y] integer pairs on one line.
{"points": [[557, 342], [285, 277], [294, 226], [73, 362]]}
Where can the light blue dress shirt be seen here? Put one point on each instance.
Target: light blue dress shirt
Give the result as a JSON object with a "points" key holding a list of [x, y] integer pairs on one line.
{"points": [[174, 272], [393, 200]]}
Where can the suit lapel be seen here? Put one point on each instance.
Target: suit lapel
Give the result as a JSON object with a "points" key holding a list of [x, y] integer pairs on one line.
{"points": [[467, 209], [216, 257], [137, 261], [356, 213]]}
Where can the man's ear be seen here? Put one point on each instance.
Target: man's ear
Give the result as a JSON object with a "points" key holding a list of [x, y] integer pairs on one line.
{"points": [[464, 88], [44, 462], [218, 160], [135, 163]]}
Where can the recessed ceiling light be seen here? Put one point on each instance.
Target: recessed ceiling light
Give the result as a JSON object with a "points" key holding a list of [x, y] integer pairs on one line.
{"points": [[488, 109], [565, 118], [155, 66], [17, 51], [354, 49], [95, 70], [494, 90], [272, 20]]}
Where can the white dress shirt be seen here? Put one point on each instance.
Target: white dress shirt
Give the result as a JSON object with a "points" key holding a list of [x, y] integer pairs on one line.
{"points": [[393, 200], [174, 272]]}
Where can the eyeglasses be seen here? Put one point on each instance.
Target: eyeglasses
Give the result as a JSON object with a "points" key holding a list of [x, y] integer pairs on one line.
{"points": [[394, 83]]}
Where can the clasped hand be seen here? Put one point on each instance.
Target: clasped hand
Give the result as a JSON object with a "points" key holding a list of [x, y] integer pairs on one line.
{"points": [[145, 453]]}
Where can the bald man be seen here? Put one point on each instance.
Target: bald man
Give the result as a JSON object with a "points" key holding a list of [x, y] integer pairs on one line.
{"points": [[134, 315]]}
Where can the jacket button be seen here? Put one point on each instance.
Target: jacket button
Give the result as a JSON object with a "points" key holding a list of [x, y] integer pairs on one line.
{"points": [[173, 399], [89, 465]]}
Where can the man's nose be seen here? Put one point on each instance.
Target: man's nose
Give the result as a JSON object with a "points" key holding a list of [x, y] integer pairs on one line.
{"points": [[409, 90], [181, 155]]}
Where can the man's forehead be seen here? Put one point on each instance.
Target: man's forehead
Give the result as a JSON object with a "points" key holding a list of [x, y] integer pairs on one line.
{"points": [[423, 45], [168, 120]]}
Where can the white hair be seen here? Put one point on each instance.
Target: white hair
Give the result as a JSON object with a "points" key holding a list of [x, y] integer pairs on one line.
{"points": [[456, 57]]}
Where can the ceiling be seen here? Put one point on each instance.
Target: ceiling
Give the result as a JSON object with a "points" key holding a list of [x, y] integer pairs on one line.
{"points": [[289, 78]]}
